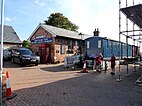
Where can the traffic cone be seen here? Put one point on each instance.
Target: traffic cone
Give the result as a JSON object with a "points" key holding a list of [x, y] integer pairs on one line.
{"points": [[9, 93], [84, 68], [4, 97]]}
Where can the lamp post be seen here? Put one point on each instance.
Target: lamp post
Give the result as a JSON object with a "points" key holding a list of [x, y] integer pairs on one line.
{"points": [[80, 47], [1, 48]]}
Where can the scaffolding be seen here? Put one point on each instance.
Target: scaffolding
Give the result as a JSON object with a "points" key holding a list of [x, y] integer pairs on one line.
{"points": [[133, 14]]}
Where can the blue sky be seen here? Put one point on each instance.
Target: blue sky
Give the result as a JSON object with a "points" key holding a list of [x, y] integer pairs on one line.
{"points": [[25, 15]]}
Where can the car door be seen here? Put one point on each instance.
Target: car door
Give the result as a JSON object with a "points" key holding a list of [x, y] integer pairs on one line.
{"points": [[16, 56]]}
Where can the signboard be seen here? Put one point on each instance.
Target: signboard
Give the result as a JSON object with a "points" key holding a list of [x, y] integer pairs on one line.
{"points": [[42, 40], [40, 36]]}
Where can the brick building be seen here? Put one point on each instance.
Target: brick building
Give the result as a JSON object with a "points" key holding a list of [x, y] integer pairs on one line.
{"points": [[10, 37], [53, 44]]}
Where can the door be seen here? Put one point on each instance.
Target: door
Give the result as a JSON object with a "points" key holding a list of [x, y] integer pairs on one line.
{"points": [[42, 54], [45, 56], [48, 57]]}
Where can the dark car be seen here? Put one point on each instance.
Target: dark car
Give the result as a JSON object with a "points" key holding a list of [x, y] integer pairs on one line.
{"points": [[6, 54], [24, 56]]}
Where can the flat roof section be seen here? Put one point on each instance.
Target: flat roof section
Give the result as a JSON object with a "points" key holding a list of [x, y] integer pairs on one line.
{"points": [[134, 13]]}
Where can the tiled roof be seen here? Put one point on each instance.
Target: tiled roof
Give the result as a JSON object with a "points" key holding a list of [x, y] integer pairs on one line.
{"points": [[62, 32], [10, 35]]}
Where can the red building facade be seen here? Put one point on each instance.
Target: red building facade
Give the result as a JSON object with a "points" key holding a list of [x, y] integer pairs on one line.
{"points": [[53, 44]]}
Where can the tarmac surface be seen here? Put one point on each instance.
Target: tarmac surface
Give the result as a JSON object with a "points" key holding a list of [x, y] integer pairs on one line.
{"points": [[54, 85]]}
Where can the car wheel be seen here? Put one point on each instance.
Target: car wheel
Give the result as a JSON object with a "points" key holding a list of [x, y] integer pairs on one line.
{"points": [[21, 63], [36, 64]]}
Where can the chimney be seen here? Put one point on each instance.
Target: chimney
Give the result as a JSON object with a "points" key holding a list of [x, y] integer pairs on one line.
{"points": [[94, 32], [97, 32]]}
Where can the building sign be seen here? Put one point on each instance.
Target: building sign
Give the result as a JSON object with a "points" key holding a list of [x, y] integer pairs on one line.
{"points": [[42, 40], [40, 36]]}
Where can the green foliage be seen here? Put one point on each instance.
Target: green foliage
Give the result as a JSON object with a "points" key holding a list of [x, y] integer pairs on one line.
{"points": [[26, 44], [60, 21]]}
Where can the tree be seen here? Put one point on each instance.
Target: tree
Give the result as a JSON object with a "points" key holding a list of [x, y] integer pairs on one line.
{"points": [[58, 20], [26, 44]]}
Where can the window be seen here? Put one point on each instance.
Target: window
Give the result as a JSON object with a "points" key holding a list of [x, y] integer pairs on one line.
{"points": [[99, 43], [87, 44], [62, 49], [76, 43], [70, 45], [57, 51], [107, 43]]}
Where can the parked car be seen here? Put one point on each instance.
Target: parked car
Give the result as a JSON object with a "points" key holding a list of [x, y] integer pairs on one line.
{"points": [[24, 56], [6, 54]]}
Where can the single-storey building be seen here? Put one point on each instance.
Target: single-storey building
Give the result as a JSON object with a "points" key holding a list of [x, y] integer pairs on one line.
{"points": [[53, 44], [10, 37]]}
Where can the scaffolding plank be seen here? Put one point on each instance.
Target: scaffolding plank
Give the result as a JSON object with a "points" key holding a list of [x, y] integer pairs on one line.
{"points": [[134, 13]]}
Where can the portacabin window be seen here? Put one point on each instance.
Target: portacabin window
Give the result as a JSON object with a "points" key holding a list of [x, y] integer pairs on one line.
{"points": [[107, 43], [115, 45], [99, 43], [62, 49], [87, 44]]}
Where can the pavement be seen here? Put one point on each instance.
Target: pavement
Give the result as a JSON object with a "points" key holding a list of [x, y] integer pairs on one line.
{"points": [[54, 85]]}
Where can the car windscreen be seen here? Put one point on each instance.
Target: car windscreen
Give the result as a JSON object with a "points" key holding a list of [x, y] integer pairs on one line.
{"points": [[26, 52]]}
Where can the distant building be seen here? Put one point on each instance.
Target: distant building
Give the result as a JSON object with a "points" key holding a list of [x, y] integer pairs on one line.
{"points": [[10, 37], [53, 44]]}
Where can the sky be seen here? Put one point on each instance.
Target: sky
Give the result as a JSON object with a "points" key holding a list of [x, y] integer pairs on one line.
{"points": [[25, 15]]}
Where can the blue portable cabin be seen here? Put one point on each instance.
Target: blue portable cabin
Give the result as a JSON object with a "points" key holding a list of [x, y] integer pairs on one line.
{"points": [[110, 47], [93, 46], [124, 50], [130, 50], [96, 45]]}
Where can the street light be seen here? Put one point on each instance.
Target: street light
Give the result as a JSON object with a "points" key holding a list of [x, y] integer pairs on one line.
{"points": [[80, 49], [1, 48]]}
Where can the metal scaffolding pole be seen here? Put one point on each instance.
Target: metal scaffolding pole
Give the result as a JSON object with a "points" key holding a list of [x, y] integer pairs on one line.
{"points": [[1, 48], [127, 36], [119, 76], [134, 40]]}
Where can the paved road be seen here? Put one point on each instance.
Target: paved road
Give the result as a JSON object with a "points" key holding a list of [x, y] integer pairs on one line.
{"points": [[53, 85]]}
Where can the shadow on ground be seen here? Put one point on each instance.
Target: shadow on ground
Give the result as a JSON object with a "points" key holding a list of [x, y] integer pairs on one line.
{"points": [[8, 64], [60, 68], [91, 89]]}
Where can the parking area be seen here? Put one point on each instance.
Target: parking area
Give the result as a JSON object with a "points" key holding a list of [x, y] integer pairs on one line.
{"points": [[54, 85]]}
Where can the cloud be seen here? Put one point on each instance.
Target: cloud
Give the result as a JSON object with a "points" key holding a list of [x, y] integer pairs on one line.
{"points": [[23, 12], [7, 19], [92, 14], [39, 3]]}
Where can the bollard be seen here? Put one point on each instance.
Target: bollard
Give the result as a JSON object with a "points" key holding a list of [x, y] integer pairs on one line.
{"points": [[105, 66], [84, 67], [134, 68]]}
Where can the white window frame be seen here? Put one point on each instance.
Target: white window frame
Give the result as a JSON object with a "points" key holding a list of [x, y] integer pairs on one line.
{"points": [[88, 44], [99, 44]]}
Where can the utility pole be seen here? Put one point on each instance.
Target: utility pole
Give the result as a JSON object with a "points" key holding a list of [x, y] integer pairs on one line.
{"points": [[80, 47], [1, 48]]}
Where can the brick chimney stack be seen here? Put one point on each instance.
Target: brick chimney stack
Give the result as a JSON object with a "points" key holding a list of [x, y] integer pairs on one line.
{"points": [[96, 32]]}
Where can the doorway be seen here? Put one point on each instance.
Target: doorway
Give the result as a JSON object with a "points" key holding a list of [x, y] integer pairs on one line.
{"points": [[45, 52]]}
